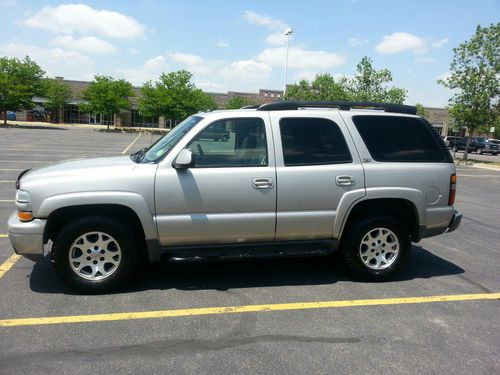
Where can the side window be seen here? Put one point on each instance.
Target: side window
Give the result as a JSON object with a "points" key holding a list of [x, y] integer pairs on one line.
{"points": [[312, 141], [399, 139], [231, 143]]}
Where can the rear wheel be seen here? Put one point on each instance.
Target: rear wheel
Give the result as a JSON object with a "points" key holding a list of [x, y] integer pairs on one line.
{"points": [[96, 254], [376, 248]]}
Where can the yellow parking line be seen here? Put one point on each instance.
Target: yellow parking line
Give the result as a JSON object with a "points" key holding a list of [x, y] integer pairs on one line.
{"points": [[6, 200], [8, 264], [131, 144], [242, 309], [4, 235]]}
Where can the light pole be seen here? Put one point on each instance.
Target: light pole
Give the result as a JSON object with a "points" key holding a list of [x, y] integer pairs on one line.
{"points": [[288, 32]]}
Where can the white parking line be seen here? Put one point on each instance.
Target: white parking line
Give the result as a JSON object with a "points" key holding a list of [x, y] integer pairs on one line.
{"points": [[130, 145]]}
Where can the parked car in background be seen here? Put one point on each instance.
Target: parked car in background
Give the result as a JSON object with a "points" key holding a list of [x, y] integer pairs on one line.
{"points": [[479, 145], [450, 140], [11, 115]]}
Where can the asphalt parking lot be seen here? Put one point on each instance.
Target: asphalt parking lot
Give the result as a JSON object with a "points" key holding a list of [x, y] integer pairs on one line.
{"points": [[442, 315]]}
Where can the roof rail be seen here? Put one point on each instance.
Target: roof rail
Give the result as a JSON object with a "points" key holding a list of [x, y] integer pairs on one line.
{"points": [[251, 106], [295, 104]]}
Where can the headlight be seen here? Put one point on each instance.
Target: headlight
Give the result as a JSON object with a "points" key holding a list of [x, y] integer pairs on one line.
{"points": [[23, 196], [23, 205]]}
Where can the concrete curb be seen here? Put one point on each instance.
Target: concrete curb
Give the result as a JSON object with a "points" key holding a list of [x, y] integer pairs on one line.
{"points": [[476, 164]]}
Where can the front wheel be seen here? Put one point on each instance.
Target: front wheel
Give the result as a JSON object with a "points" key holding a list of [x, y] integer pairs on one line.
{"points": [[376, 248], [96, 254], [479, 151]]}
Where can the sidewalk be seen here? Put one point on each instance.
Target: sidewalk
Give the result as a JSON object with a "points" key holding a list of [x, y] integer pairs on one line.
{"points": [[84, 126]]}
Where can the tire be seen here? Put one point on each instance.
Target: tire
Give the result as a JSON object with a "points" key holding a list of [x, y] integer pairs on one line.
{"points": [[455, 149], [479, 151], [107, 260], [366, 261]]}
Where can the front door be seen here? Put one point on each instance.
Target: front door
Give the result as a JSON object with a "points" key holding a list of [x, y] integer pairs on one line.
{"points": [[229, 195]]}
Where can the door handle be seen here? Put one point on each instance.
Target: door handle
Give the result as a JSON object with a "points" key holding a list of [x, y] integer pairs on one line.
{"points": [[345, 180], [262, 183]]}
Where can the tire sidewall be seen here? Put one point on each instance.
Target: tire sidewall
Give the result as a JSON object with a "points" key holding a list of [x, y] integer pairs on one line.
{"points": [[351, 244], [120, 232]]}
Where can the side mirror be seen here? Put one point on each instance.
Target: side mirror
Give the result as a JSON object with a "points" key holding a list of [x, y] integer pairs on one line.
{"points": [[184, 160]]}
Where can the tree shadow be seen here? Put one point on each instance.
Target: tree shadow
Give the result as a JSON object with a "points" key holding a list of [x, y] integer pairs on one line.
{"points": [[226, 275]]}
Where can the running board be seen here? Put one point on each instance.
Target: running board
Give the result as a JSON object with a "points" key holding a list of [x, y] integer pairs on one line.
{"points": [[249, 250]]}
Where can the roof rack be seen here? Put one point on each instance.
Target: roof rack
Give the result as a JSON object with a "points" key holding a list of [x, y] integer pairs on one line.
{"points": [[251, 106], [293, 104]]}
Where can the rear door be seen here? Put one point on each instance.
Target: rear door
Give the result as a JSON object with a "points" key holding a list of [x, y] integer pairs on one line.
{"points": [[316, 166]]}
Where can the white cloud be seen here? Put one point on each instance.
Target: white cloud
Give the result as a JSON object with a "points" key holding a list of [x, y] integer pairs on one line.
{"points": [[185, 58], [400, 42], [308, 75], [425, 60], [246, 71], [150, 70], [133, 51], [301, 58], [263, 20], [87, 44], [55, 61], [439, 43], [278, 27], [276, 39], [222, 43], [68, 19], [355, 42]]}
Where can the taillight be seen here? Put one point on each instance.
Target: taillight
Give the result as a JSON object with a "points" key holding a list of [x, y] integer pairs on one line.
{"points": [[453, 189]]}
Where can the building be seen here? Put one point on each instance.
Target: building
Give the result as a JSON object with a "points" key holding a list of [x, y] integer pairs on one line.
{"points": [[72, 114]]}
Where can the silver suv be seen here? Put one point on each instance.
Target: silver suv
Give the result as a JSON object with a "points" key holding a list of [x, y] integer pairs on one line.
{"points": [[290, 179]]}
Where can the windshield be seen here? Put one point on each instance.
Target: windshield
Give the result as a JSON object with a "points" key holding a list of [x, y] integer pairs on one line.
{"points": [[161, 147]]}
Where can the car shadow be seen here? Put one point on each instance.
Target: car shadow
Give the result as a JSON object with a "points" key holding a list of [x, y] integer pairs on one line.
{"points": [[226, 275]]}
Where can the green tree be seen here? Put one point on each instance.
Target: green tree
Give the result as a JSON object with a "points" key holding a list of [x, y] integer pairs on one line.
{"points": [[237, 102], [421, 111], [370, 85], [20, 80], [174, 97], [323, 87], [57, 93], [475, 69], [107, 96]]}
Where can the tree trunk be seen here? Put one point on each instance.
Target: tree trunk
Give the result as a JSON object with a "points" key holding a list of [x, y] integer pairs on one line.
{"points": [[5, 117], [466, 151]]}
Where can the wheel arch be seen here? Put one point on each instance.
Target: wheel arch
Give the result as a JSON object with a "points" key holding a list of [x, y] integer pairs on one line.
{"points": [[401, 208]]}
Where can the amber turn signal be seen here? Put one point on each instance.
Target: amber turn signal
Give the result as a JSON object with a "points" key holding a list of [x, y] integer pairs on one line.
{"points": [[25, 215]]}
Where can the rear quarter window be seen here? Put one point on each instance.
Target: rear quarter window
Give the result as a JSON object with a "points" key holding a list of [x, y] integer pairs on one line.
{"points": [[401, 139]]}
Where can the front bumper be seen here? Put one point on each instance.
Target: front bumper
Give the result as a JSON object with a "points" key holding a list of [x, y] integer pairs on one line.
{"points": [[26, 237]]}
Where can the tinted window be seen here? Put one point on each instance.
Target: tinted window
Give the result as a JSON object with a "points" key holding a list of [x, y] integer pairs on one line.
{"points": [[312, 141], [231, 143], [405, 139]]}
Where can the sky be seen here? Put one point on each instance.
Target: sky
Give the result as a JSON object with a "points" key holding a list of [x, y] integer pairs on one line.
{"points": [[240, 45]]}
